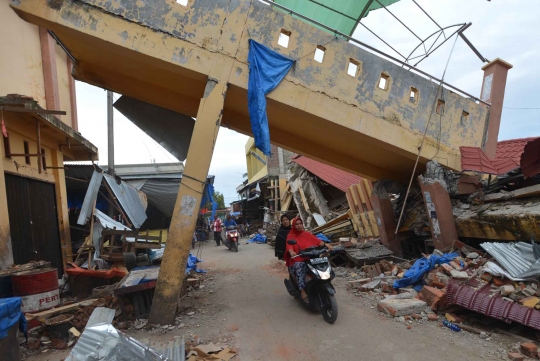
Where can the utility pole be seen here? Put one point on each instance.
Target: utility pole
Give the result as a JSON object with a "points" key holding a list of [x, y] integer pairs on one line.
{"points": [[110, 137]]}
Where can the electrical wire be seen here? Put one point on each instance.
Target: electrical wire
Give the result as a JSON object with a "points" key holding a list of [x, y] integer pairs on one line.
{"points": [[424, 138]]}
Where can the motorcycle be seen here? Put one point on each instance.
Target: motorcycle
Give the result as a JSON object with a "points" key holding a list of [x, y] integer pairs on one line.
{"points": [[231, 238], [319, 275]]}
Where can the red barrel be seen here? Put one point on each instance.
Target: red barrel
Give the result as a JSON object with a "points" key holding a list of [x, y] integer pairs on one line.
{"points": [[37, 288]]}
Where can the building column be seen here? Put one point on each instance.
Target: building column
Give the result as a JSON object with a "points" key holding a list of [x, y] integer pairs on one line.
{"points": [[50, 75], [62, 206], [386, 222], [439, 211], [201, 147], [493, 88]]}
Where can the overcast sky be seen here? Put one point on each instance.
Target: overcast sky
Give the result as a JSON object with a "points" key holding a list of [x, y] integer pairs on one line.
{"points": [[505, 29]]}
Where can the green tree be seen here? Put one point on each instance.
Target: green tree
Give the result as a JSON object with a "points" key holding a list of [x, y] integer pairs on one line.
{"points": [[220, 200]]}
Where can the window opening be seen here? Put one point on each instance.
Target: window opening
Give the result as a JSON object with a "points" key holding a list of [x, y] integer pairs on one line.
{"points": [[464, 118], [319, 53], [284, 37], [440, 107], [413, 97], [26, 151], [182, 2], [352, 69], [383, 82]]}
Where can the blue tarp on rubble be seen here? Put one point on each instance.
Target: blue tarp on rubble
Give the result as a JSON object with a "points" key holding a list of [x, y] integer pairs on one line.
{"points": [[323, 238], [413, 276], [266, 70], [259, 238], [10, 314]]}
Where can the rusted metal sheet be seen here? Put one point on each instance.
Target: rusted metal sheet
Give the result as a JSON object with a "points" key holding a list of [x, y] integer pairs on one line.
{"points": [[481, 301]]}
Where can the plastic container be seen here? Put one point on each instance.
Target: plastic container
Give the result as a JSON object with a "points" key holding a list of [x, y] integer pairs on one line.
{"points": [[38, 289], [451, 326]]}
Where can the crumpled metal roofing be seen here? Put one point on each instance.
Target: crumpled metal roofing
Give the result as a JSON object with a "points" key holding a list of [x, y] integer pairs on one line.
{"points": [[516, 258], [509, 156], [338, 178], [104, 342], [90, 198], [129, 200], [484, 302]]}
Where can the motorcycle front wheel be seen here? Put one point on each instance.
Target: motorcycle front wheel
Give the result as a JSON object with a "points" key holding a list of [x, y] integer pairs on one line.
{"points": [[330, 310], [236, 246]]}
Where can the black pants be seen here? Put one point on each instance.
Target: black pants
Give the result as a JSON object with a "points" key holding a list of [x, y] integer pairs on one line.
{"points": [[217, 238]]}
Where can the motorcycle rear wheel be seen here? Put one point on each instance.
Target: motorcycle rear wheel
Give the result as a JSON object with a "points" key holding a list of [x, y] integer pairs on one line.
{"points": [[330, 310]]}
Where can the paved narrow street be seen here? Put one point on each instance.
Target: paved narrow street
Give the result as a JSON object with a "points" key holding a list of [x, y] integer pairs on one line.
{"points": [[271, 325]]}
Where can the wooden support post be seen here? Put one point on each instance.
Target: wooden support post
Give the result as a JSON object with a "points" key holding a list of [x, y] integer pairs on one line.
{"points": [[38, 143], [201, 147]]}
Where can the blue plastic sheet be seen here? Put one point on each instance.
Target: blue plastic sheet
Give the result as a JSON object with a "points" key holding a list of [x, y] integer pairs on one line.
{"points": [[259, 238], [413, 276], [192, 264], [266, 70], [208, 196], [323, 238], [10, 313]]}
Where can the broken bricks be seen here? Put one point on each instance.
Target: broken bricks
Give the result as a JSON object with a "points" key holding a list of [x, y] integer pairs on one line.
{"points": [[529, 349], [432, 296]]}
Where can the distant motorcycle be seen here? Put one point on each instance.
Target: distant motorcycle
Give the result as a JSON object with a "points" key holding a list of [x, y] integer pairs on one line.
{"points": [[318, 283], [231, 238]]}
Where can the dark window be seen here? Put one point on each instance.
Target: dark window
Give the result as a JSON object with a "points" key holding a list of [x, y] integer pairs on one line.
{"points": [[7, 148], [43, 160], [26, 151]]}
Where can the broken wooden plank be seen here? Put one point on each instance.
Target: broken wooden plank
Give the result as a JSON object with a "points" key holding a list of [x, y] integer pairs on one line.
{"points": [[52, 312]]}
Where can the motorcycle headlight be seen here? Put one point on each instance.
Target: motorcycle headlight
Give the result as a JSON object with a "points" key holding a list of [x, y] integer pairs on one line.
{"points": [[325, 275]]}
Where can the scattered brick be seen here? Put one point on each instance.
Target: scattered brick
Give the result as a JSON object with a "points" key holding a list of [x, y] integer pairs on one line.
{"points": [[432, 317], [416, 316], [529, 349], [486, 277], [432, 296], [515, 356]]}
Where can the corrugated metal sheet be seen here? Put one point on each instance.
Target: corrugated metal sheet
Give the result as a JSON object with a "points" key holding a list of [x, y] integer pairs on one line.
{"points": [[493, 306], [152, 176], [90, 198], [108, 222], [129, 200], [338, 178], [516, 258], [104, 342]]}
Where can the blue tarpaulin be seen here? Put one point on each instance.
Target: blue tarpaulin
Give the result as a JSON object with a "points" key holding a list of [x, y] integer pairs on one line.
{"points": [[10, 314], [323, 238], [259, 238], [208, 196], [266, 70], [414, 275]]}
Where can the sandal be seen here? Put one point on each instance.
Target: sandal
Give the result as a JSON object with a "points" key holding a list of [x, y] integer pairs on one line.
{"points": [[305, 299]]}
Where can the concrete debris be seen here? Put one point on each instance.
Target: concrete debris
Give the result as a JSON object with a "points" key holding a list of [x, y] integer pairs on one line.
{"points": [[400, 307]]}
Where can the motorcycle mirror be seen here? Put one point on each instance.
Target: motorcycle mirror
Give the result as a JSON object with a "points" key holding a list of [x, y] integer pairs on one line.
{"points": [[292, 242]]}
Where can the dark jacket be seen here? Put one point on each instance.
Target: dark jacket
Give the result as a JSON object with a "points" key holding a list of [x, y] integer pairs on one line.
{"points": [[281, 239]]}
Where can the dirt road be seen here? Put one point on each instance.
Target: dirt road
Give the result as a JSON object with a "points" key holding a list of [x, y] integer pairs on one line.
{"points": [[244, 303], [273, 326]]}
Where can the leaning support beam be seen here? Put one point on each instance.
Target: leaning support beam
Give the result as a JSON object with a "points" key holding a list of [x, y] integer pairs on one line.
{"points": [[187, 205]]}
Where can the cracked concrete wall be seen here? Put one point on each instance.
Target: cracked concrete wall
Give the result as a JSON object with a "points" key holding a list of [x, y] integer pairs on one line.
{"points": [[219, 25], [378, 130]]}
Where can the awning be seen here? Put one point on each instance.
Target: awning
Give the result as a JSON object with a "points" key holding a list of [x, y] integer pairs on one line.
{"points": [[170, 129], [341, 15], [70, 142]]}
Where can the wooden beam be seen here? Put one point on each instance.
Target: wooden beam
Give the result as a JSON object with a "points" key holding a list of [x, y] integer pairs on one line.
{"points": [[31, 110]]}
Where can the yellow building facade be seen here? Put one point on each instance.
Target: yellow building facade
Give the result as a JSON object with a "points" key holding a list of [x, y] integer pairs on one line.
{"points": [[39, 121]]}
